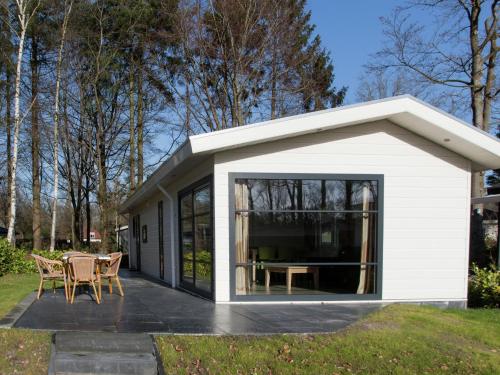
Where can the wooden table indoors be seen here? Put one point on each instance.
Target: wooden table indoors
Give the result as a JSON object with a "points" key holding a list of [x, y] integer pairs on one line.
{"points": [[290, 271]]}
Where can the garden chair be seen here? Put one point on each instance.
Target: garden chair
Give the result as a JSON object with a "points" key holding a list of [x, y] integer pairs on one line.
{"points": [[50, 270], [83, 271], [111, 273], [67, 265]]}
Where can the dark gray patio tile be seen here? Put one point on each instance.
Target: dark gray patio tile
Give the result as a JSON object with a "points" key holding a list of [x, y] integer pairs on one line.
{"points": [[151, 307]]}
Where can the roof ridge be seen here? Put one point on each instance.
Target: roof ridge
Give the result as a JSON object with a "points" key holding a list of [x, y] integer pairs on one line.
{"points": [[305, 115]]}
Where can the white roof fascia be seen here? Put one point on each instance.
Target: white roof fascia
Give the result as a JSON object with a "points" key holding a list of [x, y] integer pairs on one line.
{"points": [[292, 126], [406, 111]]}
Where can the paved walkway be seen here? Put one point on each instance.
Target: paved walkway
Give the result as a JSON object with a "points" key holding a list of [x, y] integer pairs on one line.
{"points": [[152, 307], [89, 353]]}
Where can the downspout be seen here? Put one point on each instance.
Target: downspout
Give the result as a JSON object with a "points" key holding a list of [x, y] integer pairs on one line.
{"points": [[172, 242], [130, 238]]}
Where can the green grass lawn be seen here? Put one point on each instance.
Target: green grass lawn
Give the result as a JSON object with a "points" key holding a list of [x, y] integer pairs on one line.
{"points": [[22, 351], [400, 339], [13, 288]]}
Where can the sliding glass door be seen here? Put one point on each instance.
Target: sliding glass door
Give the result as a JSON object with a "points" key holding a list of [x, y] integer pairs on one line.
{"points": [[306, 236], [196, 250]]}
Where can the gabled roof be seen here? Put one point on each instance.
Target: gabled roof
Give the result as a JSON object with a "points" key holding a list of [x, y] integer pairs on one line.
{"points": [[406, 111]]}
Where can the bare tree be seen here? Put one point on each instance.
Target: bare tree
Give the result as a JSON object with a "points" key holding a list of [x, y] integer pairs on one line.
{"points": [[380, 84], [7, 50], [35, 62], [457, 57], [224, 48], [67, 12], [26, 9], [140, 129], [106, 81], [131, 95]]}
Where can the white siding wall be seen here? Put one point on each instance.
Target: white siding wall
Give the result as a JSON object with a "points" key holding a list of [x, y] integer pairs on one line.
{"points": [[148, 211], [426, 201]]}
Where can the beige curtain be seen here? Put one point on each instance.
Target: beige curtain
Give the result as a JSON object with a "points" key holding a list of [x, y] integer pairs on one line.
{"points": [[241, 237], [365, 279]]}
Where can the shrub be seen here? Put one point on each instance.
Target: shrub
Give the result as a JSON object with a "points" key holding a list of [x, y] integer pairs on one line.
{"points": [[484, 287], [5, 256], [14, 260], [22, 262]]}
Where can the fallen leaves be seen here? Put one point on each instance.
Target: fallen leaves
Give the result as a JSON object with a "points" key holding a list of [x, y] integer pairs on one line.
{"points": [[24, 352]]}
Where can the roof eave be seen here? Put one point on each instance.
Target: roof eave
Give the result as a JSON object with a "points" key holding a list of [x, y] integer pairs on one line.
{"points": [[178, 157], [419, 117]]}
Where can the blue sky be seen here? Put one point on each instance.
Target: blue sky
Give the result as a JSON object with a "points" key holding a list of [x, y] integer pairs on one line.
{"points": [[351, 30]]}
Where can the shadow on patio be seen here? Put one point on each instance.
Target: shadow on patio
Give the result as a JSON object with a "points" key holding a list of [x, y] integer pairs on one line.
{"points": [[149, 306]]}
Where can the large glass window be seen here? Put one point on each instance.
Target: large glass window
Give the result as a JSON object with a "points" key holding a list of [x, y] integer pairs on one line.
{"points": [[196, 238], [305, 236]]}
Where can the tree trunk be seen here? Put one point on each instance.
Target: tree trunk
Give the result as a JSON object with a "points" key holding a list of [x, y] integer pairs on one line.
{"points": [[75, 194], [56, 129], [8, 125], [489, 88], [56, 171], [80, 170], [131, 94], [8, 107], [102, 172], [11, 234], [273, 86], [77, 212], [187, 104], [140, 130], [476, 68], [477, 181], [35, 144], [102, 193], [477, 187], [87, 210]]}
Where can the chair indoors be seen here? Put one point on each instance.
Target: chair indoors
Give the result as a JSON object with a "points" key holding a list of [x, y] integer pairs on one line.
{"points": [[50, 270], [83, 271], [111, 272]]}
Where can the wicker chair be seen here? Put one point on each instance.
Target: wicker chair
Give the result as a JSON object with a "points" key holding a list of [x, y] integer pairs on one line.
{"points": [[111, 272], [50, 270], [83, 271], [67, 266]]}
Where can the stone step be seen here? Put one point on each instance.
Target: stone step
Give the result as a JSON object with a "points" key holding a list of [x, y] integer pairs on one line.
{"points": [[90, 353], [100, 342], [104, 364]]}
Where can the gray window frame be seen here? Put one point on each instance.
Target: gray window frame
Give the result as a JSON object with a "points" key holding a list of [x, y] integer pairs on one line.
{"points": [[233, 176], [190, 189]]}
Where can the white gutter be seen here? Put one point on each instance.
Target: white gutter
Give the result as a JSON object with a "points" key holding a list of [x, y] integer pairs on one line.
{"points": [[172, 242]]}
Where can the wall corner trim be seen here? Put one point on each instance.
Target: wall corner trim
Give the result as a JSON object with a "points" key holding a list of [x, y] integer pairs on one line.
{"points": [[172, 242]]}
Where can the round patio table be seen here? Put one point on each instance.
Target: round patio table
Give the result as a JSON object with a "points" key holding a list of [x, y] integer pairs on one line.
{"points": [[100, 257]]}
